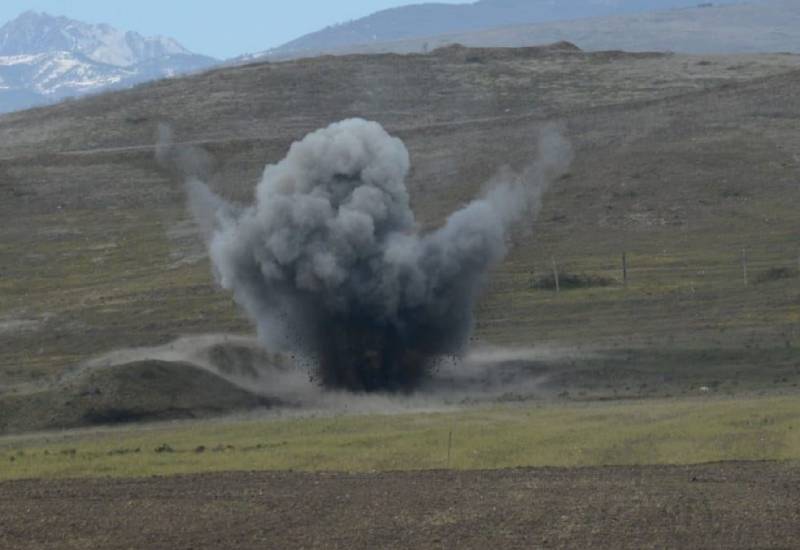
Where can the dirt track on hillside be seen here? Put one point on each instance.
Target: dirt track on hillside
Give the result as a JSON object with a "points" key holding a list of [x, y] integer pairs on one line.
{"points": [[733, 505]]}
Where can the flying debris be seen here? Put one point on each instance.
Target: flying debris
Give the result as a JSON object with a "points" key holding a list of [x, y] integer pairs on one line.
{"points": [[330, 263]]}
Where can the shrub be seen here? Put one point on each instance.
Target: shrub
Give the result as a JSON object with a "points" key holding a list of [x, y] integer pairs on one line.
{"points": [[777, 274], [569, 280]]}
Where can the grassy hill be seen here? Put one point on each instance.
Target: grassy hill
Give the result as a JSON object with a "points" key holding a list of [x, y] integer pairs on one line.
{"points": [[681, 162]]}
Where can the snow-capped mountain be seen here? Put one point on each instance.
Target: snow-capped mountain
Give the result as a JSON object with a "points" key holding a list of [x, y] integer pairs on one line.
{"points": [[45, 58]]}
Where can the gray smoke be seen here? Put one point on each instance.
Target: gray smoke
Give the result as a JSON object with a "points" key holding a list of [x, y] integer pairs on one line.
{"points": [[329, 261]]}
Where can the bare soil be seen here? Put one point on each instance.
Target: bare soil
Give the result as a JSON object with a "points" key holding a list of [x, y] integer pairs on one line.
{"points": [[726, 505]]}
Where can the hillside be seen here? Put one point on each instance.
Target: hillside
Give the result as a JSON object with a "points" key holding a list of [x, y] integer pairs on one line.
{"points": [[432, 19], [680, 161], [750, 27]]}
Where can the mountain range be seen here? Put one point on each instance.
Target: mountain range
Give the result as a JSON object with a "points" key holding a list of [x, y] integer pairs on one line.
{"points": [[44, 59]]}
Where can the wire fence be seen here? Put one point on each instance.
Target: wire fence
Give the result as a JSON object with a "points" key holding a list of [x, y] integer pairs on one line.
{"points": [[746, 265]]}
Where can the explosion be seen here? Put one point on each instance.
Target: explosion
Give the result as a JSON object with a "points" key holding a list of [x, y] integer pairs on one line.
{"points": [[329, 261]]}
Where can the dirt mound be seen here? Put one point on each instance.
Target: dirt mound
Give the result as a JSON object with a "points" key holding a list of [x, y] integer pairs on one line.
{"points": [[142, 390]]}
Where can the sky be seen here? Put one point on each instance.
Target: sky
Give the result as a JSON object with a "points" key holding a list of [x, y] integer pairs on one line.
{"points": [[221, 29]]}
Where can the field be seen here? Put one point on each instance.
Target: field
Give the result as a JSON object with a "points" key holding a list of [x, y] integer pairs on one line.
{"points": [[732, 505], [688, 431], [427, 480]]}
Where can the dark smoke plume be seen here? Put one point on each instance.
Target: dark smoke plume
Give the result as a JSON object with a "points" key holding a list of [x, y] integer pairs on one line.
{"points": [[329, 261]]}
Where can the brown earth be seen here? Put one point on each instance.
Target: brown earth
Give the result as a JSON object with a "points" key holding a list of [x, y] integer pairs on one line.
{"points": [[726, 505]]}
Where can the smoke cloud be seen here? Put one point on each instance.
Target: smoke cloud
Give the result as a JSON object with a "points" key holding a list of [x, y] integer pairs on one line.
{"points": [[329, 261]]}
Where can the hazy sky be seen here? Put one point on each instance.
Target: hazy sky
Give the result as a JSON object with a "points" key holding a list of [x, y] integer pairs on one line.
{"points": [[220, 28]]}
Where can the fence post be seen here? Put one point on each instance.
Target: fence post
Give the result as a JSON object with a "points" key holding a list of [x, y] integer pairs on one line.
{"points": [[744, 265], [449, 447], [555, 276], [625, 269]]}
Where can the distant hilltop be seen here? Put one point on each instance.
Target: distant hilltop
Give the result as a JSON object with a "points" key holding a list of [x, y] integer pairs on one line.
{"points": [[684, 27], [428, 20]]}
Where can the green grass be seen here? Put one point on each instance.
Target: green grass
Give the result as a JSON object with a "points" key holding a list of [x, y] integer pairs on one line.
{"points": [[632, 433]]}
